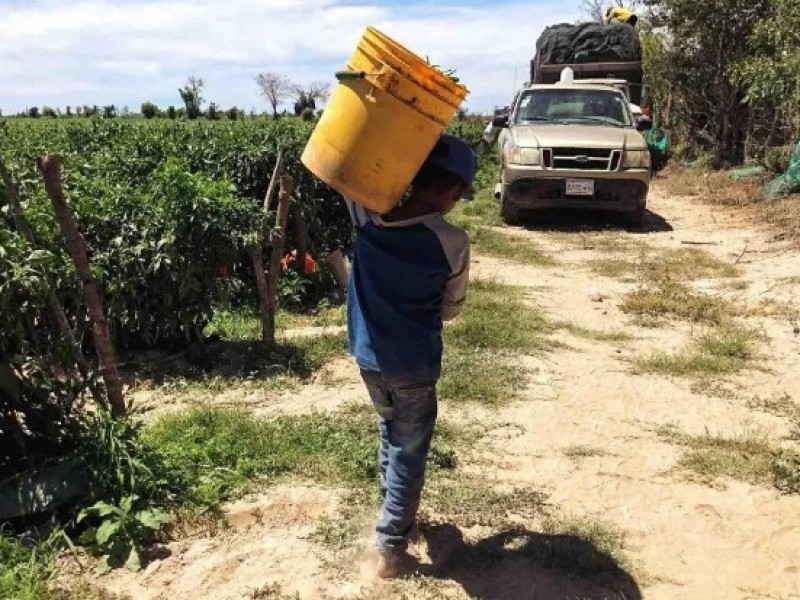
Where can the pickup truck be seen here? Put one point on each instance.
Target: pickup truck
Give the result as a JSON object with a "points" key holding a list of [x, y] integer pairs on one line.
{"points": [[572, 145]]}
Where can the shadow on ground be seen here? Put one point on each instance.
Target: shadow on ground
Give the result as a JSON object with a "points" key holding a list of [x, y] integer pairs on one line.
{"points": [[569, 221], [235, 359], [518, 564]]}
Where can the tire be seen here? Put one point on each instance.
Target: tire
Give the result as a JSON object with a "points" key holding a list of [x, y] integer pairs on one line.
{"points": [[635, 218], [510, 214]]}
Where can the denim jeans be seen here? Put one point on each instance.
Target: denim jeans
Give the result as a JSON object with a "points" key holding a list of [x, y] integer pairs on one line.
{"points": [[406, 417]]}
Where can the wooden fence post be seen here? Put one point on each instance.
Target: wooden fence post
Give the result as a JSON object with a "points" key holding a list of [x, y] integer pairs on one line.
{"points": [[24, 228], [50, 168], [277, 241]]}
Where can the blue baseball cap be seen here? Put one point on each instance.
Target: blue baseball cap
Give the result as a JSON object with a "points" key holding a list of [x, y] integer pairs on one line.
{"points": [[455, 155]]}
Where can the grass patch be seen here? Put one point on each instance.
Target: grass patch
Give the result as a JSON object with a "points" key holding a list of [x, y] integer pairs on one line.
{"points": [[484, 210], [583, 547], [470, 503], [597, 335], [482, 348], [615, 268], [750, 458], [479, 216], [245, 325], [480, 376], [282, 367], [496, 317], [602, 241], [580, 451], [218, 453], [720, 352], [674, 264], [489, 242], [26, 569], [675, 300]]}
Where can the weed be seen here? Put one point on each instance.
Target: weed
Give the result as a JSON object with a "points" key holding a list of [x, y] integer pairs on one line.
{"points": [[678, 301], [581, 451], [719, 352], [235, 325], [786, 471], [612, 267], [121, 532], [596, 335], [26, 568], [748, 457]]}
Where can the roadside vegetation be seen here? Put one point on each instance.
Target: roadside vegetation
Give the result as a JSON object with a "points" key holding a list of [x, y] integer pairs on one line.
{"points": [[749, 457]]}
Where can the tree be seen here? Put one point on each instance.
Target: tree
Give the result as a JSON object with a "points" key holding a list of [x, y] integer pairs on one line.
{"points": [[48, 111], [172, 113], [69, 111], [213, 112], [275, 87], [701, 42], [595, 10], [191, 94], [771, 74], [233, 113], [149, 110], [110, 111], [316, 91], [33, 112]]}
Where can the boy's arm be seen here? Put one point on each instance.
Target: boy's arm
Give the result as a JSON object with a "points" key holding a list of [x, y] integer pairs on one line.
{"points": [[455, 292]]}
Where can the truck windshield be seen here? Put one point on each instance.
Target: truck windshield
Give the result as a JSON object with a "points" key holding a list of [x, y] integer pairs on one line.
{"points": [[583, 105]]}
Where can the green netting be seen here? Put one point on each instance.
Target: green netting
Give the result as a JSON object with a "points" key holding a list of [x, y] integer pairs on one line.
{"points": [[788, 183], [658, 143]]}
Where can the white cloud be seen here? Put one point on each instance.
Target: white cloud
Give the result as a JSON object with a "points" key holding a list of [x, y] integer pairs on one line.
{"points": [[112, 51]]}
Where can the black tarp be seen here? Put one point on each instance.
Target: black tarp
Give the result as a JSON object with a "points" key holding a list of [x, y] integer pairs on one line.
{"points": [[565, 44]]}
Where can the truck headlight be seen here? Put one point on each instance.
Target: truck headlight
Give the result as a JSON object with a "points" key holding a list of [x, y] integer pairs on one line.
{"points": [[524, 156], [636, 159]]}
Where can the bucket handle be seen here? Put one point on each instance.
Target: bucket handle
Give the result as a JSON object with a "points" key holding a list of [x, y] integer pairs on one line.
{"points": [[350, 75]]}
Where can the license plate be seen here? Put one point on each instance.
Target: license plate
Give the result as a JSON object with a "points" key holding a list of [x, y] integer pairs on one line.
{"points": [[580, 187]]}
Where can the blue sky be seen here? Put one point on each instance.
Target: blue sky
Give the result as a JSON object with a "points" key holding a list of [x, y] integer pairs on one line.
{"points": [[123, 52]]}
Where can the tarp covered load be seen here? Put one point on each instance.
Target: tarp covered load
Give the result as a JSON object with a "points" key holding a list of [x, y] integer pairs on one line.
{"points": [[788, 183], [589, 42]]}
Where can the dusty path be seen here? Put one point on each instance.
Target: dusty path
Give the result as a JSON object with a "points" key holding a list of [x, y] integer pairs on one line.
{"points": [[686, 538]]}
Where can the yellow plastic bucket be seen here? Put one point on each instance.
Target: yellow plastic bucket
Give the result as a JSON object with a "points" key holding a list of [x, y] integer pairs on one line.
{"points": [[411, 65], [381, 122]]}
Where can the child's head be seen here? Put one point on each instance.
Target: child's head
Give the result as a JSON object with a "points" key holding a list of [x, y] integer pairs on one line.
{"points": [[445, 176]]}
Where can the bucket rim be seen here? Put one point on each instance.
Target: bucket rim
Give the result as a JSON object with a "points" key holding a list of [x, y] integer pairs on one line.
{"points": [[437, 75]]}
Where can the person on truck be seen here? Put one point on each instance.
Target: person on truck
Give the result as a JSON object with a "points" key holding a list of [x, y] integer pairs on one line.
{"points": [[409, 274]]}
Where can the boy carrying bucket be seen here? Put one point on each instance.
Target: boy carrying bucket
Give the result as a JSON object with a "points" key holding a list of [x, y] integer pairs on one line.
{"points": [[409, 274]]}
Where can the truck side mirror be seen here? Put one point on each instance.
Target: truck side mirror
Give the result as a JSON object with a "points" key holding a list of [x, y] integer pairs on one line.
{"points": [[500, 121], [644, 124]]}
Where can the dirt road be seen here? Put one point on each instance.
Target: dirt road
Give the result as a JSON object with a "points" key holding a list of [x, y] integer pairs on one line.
{"points": [[603, 438]]}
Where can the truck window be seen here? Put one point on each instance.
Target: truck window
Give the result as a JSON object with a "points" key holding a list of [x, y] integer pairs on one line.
{"points": [[585, 105]]}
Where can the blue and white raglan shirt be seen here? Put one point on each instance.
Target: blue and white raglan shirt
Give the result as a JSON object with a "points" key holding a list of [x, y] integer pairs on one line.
{"points": [[406, 278]]}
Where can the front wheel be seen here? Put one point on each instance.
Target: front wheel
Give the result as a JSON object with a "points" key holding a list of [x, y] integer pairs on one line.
{"points": [[635, 218], [511, 214]]}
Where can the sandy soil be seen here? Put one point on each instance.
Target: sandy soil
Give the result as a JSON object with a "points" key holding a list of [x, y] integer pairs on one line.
{"points": [[688, 539]]}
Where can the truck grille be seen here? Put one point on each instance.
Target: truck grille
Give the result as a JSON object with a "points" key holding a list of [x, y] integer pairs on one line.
{"points": [[581, 159]]}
